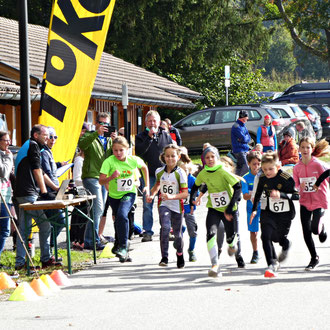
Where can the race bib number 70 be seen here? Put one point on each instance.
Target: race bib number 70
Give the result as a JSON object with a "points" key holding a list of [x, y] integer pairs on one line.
{"points": [[125, 184]]}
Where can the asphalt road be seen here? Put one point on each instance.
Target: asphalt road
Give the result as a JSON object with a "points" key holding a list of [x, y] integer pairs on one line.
{"points": [[142, 295]]}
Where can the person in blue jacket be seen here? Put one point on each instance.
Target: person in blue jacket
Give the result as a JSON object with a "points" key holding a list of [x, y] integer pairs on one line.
{"points": [[240, 138]]}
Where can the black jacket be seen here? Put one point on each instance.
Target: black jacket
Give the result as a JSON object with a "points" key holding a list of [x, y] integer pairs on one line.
{"points": [[149, 149]]}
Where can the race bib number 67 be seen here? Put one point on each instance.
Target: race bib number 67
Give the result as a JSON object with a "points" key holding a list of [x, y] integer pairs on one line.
{"points": [[278, 205]]}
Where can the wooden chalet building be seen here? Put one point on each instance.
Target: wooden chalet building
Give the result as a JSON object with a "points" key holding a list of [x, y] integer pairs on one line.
{"points": [[146, 90]]}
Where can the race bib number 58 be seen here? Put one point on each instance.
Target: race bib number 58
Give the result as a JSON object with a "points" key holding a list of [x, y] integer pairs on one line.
{"points": [[220, 199]]}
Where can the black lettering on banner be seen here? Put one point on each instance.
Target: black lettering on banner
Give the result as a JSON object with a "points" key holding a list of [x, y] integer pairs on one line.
{"points": [[52, 106], [95, 6], [75, 26], [64, 52]]}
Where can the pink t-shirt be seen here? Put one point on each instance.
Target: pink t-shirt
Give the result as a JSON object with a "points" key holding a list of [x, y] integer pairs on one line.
{"points": [[309, 173]]}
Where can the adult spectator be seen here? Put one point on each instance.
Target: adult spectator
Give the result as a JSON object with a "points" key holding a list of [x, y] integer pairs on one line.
{"points": [[302, 131], [175, 135], [97, 148], [287, 150], [6, 166], [149, 144], [30, 182], [266, 135], [240, 138], [49, 167]]}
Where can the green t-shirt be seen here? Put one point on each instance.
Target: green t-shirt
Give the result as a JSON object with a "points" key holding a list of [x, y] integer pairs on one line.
{"points": [[125, 182], [220, 184]]}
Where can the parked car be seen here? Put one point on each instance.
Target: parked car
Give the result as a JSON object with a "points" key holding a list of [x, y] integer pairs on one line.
{"points": [[324, 112], [307, 93], [314, 118], [289, 112], [213, 125]]}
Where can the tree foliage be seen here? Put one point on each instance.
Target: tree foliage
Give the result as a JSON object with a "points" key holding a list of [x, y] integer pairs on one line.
{"points": [[210, 82], [170, 36], [308, 23]]}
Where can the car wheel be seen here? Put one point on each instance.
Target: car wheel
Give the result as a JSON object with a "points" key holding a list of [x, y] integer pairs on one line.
{"points": [[253, 141]]}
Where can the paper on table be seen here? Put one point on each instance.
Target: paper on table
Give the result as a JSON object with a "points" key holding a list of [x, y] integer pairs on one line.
{"points": [[61, 170]]}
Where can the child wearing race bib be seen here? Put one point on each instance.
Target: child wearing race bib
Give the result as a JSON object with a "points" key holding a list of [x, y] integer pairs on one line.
{"points": [[312, 202], [253, 159], [171, 180], [118, 171], [189, 216], [277, 190], [224, 190]]}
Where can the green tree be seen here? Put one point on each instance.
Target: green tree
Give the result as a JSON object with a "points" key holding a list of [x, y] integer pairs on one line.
{"points": [[308, 23], [172, 36], [280, 57], [245, 80]]}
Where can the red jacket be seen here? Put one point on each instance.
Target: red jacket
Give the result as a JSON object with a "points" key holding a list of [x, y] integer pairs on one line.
{"points": [[288, 152]]}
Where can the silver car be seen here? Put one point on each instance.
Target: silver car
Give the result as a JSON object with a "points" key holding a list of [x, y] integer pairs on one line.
{"points": [[213, 125]]}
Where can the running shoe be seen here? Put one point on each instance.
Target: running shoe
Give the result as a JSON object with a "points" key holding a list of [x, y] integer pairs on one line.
{"points": [[163, 262], [192, 256], [240, 261], [284, 254], [255, 258], [180, 261], [232, 246], [122, 254], [272, 270], [323, 235], [313, 264], [214, 271]]}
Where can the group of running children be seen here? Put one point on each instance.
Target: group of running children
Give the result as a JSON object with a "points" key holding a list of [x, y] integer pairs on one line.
{"points": [[268, 190]]}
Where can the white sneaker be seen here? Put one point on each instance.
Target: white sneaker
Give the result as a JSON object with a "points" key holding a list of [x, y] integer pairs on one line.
{"points": [[214, 271], [272, 270], [232, 247]]}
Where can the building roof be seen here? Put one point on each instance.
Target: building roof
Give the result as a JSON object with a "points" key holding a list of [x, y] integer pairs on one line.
{"points": [[144, 87]]}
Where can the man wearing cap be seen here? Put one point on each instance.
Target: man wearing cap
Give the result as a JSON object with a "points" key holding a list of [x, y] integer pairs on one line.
{"points": [[266, 135], [240, 138]]}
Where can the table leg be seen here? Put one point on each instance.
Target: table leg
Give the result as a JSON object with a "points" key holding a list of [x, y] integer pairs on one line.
{"points": [[68, 248], [94, 240]]}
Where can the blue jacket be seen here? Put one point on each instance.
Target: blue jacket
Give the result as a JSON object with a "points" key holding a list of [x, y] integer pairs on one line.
{"points": [[240, 137]]}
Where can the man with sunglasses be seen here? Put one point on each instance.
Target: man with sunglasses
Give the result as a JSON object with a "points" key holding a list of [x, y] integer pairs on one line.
{"points": [[96, 148], [50, 167]]}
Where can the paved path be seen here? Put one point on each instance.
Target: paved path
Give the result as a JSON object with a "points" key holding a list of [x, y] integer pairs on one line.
{"points": [[142, 295]]}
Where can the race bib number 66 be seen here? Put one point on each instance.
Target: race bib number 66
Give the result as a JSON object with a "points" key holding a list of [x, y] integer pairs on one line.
{"points": [[167, 187]]}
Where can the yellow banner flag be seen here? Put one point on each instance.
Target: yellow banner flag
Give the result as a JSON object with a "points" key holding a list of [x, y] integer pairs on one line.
{"points": [[77, 33]]}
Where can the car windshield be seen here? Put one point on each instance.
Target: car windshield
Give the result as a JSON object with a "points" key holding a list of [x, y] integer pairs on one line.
{"points": [[273, 114], [297, 111], [312, 111]]}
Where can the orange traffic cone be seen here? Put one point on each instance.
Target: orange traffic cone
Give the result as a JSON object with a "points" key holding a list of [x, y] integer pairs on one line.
{"points": [[23, 293], [40, 288], [49, 282], [60, 278], [6, 282]]}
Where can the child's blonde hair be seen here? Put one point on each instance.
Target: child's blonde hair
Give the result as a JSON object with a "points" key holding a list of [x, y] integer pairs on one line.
{"points": [[321, 148], [122, 141], [169, 146], [228, 163], [269, 157]]}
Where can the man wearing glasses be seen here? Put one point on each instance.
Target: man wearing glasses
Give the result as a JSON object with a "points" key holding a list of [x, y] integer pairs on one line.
{"points": [[97, 148], [49, 167]]}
